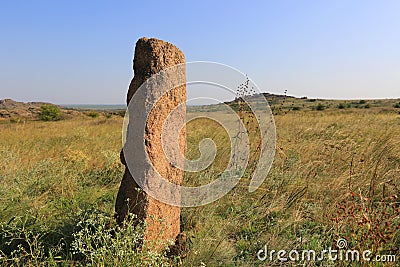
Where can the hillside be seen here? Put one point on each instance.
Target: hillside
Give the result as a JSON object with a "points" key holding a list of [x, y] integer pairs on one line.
{"points": [[11, 109], [280, 104]]}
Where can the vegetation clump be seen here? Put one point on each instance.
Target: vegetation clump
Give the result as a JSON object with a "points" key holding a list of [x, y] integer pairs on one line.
{"points": [[344, 105], [93, 240], [319, 107], [93, 114], [50, 113]]}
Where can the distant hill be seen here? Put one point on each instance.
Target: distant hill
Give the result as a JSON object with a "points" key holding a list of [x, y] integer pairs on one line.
{"points": [[10, 108], [30, 111], [281, 104], [98, 107]]}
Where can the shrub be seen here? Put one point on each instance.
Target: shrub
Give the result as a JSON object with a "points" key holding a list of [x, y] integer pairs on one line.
{"points": [[362, 102], [50, 113], [367, 222], [121, 113], [367, 106], [296, 108], [397, 105], [92, 241], [93, 114], [99, 244], [319, 107], [342, 106], [14, 120]]}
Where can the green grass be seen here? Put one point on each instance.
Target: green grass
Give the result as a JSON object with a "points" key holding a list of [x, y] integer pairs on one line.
{"points": [[59, 182]]}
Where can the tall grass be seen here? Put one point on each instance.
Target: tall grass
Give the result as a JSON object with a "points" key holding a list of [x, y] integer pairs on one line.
{"points": [[320, 160], [59, 182], [58, 187]]}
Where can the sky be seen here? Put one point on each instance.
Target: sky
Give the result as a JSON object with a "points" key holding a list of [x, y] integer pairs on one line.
{"points": [[80, 52]]}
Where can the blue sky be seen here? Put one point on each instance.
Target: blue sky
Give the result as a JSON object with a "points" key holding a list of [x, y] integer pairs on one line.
{"points": [[81, 51]]}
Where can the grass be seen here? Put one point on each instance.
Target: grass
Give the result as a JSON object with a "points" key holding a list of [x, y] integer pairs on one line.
{"points": [[319, 161], [335, 175]]}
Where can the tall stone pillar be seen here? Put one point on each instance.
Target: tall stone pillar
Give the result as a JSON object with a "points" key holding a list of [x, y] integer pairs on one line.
{"points": [[153, 56]]}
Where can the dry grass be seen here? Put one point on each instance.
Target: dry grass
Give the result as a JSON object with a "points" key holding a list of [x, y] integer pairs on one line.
{"points": [[54, 170], [321, 158]]}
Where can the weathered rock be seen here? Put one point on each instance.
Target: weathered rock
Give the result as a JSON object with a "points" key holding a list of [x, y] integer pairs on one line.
{"points": [[162, 220], [31, 110], [4, 114], [20, 110]]}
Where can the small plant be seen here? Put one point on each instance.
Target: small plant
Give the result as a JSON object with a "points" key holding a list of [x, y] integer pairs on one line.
{"points": [[121, 113], [50, 113], [319, 107], [367, 222], [280, 109], [367, 106], [100, 244], [244, 90], [92, 114], [362, 102], [14, 120], [397, 105], [95, 241], [342, 106]]}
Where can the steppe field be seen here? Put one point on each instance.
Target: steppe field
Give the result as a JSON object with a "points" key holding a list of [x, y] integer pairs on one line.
{"points": [[336, 175]]}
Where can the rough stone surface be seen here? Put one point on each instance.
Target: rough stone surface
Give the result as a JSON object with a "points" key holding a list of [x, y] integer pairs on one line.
{"points": [[162, 220]]}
